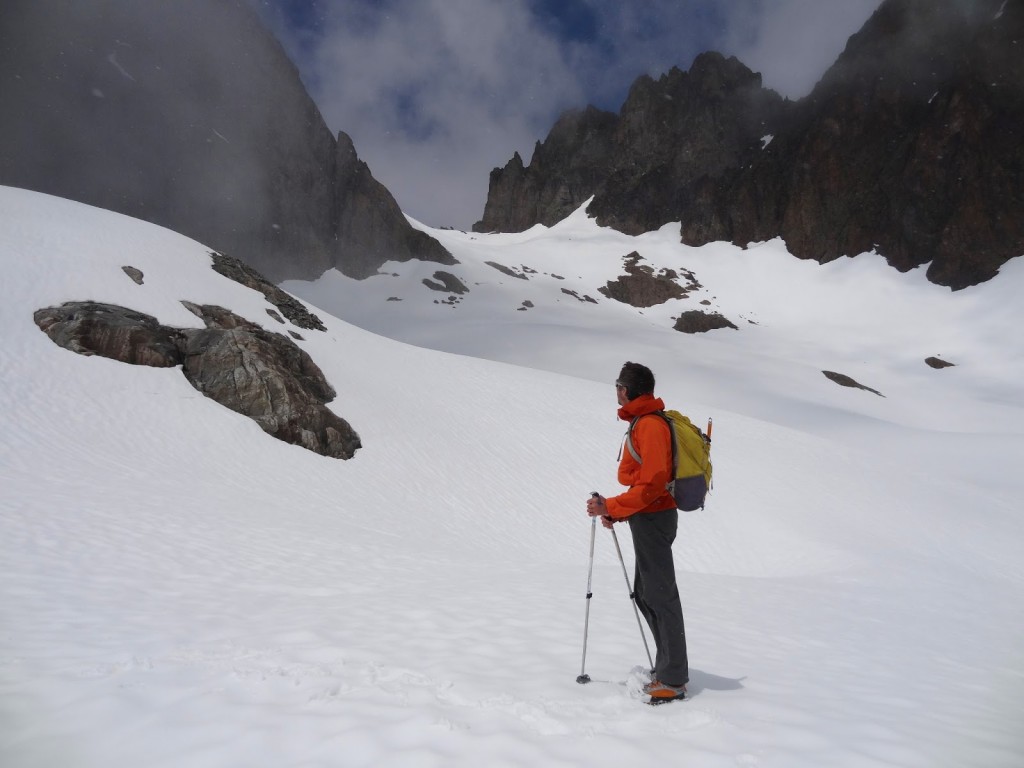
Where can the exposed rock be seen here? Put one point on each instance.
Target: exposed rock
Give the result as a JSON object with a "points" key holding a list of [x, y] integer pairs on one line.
{"points": [[845, 381], [669, 134], [449, 283], [268, 378], [240, 272], [564, 172], [93, 328], [223, 144], [506, 270], [695, 321], [910, 145], [938, 362], [259, 374], [134, 274], [585, 299], [217, 317], [276, 316], [641, 287], [371, 228]]}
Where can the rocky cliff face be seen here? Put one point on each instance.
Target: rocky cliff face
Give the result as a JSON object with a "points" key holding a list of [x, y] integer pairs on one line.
{"points": [[912, 144], [188, 113], [670, 133]]}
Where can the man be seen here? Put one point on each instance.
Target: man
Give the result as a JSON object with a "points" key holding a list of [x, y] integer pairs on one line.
{"points": [[652, 515]]}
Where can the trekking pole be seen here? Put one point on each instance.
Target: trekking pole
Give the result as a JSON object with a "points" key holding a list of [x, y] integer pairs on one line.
{"points": [[632, 598], [584, 677]]}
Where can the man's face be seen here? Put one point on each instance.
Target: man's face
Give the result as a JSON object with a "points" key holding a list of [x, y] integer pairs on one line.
{"points": [[620, 394]]}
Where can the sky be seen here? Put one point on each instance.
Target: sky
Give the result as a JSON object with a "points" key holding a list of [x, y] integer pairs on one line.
{"points": [[436, 93], [178, 588]]}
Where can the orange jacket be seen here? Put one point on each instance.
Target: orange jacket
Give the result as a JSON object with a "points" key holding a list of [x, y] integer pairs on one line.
{"points": [[647, 481]]}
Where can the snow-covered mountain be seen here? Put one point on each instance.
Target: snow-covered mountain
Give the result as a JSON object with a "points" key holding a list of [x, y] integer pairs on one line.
{"points": [[180, 589]]}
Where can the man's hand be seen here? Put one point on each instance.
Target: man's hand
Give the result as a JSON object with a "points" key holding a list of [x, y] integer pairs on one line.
{"points": [[596, 508]]}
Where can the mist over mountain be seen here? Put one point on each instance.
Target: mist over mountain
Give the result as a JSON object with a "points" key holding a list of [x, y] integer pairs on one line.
{"points": [[910, 145], [188, 114]]}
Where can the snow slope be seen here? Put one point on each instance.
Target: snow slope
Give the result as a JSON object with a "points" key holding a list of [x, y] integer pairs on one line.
{"points": [[177, 588]]}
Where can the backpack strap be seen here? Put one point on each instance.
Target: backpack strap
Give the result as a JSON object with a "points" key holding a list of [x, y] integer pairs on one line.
{"points": [[672, 434]]}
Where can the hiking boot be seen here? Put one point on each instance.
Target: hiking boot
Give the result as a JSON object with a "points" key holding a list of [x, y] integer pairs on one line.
{"points": [[662, 692]]}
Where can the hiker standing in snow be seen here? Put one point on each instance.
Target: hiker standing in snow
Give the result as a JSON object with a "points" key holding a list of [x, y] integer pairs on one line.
{"points": [[651, 511]]}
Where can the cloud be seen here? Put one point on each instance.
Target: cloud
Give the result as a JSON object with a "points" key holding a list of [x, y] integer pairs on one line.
{"points": [[436, 93], [792, 42]]}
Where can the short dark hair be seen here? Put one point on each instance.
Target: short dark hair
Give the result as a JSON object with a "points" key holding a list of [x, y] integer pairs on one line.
{"points": [[637, 379]]}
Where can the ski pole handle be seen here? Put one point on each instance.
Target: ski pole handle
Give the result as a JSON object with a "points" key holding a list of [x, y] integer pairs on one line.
{"points": [[606, 518]]}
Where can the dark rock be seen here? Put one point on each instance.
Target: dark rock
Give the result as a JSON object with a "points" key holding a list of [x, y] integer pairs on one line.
{"points": [[695, 321], [102, 105], [259, 374], [276, 316], [134, 274], [938, 362], [845, 381], [217, 317], [449, 283], [585, 299], [566, 169], [641, 287], [266, 377], [107, 330], [669, 134], [240, 272], [911, 145], [371, 228], [506, 270]]}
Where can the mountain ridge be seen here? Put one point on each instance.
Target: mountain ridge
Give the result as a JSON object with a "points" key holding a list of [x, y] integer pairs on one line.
{"points": [[909, 145]]}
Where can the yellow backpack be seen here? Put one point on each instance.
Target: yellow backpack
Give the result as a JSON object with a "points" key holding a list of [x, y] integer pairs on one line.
{"points": [[691, 456]]}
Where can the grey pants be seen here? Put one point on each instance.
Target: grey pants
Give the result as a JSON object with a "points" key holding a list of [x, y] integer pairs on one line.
{"points": [[657, 595]]}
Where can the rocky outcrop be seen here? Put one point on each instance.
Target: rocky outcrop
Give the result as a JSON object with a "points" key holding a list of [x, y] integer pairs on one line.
{"points": [[446, 282], [188, 114], [641, 286], [507, 270], [696, 321], [235, 269], [845, 381], [92, 328], [370, 226], [670, 133], [259, 374], [135, 274], [911, 145], [566, 169]]}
